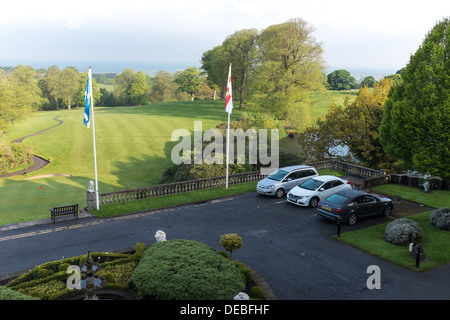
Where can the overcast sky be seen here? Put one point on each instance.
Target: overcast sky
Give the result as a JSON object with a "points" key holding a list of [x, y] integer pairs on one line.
{"points": [[377, 34]]}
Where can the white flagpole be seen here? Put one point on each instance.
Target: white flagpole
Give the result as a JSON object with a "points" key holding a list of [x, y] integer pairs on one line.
{"points": [[93, 136], [228, 130], [228, 147]]}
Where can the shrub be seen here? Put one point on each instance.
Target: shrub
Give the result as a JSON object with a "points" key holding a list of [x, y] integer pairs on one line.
{"points": [[246, 272], [402, 232], [440, 218], [184, 270], [256, 292], [8, 294], [63, 266], [43, 273]]}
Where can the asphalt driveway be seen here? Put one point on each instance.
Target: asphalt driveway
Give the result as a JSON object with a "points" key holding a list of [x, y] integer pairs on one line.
{"points": [[289, 246]]}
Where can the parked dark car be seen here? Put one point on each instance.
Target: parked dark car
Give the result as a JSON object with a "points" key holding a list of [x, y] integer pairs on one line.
{"points": [[351, 205]]}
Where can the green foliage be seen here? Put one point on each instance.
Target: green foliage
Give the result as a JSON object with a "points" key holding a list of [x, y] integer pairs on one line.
{"points": [[291, 66], [246, 272], [230, 242], [256, 292], [139, 89], [354, 125], [415, 124], [184, 270], [341, 80], [48, 281], [189, 80], [8, 294], [14, 156]]}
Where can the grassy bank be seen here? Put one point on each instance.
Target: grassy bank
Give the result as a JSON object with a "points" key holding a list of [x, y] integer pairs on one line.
{"points": [[434, 243]]}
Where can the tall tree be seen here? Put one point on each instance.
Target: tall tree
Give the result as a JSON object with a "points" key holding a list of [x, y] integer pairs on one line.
{"points": [[216, 68], [122, 88], [241, 50], [164, 87], [415, 127], [291, 66], [139, 89], [189, 81], [68, 85]]}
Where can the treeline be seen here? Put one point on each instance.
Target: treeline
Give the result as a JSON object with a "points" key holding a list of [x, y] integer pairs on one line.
{"points": [[130, 88], [343, 80]]}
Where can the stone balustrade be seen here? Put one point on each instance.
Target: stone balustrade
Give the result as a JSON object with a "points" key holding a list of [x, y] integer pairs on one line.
{"points": [[200, 184]]}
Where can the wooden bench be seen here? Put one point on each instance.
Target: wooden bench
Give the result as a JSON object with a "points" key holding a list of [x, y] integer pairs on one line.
{"points": [[61, 211]]}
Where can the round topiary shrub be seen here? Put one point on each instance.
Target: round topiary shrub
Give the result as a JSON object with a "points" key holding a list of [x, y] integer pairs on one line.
{"points": [[185, 270], [402, 232], [440, 218], [256, 292]]}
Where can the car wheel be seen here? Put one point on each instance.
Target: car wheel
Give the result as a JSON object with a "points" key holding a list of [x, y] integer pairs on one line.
{"points": [[279, 193], [387, 211], [313, 202], [351, 219]]}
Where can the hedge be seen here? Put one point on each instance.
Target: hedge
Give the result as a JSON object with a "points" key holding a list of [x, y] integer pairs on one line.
{"points": [[185, 270]]}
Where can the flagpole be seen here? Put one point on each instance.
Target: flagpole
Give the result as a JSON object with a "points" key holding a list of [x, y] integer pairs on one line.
{"points": [[228, 108], [228, 147], [93, 136]]}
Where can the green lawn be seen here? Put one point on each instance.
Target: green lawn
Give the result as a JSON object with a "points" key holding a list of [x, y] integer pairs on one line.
{"points": [[434, 242], [321, 101], [133, 150]]}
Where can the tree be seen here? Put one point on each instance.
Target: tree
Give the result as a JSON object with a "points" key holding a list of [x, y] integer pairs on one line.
{"points": [[368, 81], [139, 89], [415, 127], [291, 65], [240, 49], [164, 87], [230, 242], [122, 88], [354, 125], [68, 85], [189, 81], [216, 68], [341, 80]]}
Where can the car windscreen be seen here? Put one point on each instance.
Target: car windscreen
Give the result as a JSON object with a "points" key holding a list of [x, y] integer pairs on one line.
{"points": [[311, 184], [280, 174], [338, 199]]}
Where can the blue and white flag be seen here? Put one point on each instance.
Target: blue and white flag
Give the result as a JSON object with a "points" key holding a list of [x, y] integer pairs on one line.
{"points": [[88, 98]]}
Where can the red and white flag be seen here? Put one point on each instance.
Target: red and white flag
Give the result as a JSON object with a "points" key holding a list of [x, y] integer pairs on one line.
{"points": [[229, 98]]}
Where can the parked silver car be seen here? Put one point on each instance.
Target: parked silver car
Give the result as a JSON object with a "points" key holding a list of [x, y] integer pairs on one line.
{"points": [[284, 179]]}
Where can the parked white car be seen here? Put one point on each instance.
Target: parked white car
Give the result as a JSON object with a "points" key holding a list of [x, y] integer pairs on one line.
{"points": [[278, 183], [310, 192]]}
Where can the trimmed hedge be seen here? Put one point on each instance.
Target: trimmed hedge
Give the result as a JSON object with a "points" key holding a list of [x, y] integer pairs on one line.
{"points": [[8, 294], [185, 270], [47, 281]]}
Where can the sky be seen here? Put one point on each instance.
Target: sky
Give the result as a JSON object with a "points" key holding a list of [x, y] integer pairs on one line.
{"points": [[378, 34]]}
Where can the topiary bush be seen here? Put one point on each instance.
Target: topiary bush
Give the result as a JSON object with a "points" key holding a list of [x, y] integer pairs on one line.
{"points": [[402, 232], [256, 292], [184, 270], [230, 242], [440, 218]]}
